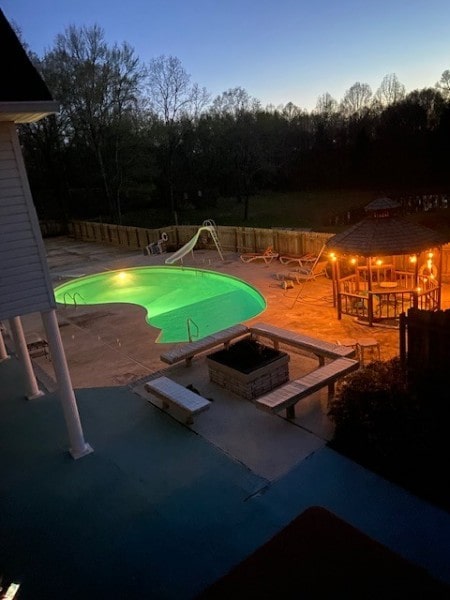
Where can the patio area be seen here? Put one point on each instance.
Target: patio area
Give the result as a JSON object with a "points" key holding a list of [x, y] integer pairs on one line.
{"points": [[111, 345], [161, 509], [120, 342]]}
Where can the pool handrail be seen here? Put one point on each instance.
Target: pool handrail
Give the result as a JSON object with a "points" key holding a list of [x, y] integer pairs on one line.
{"points": [[188, 324]]}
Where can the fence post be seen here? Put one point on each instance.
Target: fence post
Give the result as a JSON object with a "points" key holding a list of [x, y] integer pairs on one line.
{"points": [[402, 341]]}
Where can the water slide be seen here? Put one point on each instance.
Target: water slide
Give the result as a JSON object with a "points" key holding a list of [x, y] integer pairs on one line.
{"points": [[189, 246]]}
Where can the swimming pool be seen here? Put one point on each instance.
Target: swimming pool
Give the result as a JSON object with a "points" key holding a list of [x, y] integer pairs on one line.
{"points": [[176, 298]]}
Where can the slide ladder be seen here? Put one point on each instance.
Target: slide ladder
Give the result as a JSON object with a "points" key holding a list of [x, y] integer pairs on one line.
{"points": [[212, 230], [208, 226]]}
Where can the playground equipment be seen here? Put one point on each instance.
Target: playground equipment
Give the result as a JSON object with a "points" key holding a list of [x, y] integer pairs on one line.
{"points": [[208, 226]]}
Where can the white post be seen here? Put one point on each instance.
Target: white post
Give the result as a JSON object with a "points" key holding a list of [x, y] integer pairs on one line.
{"points": [[78, 447], [3, 352], [21, 349]]}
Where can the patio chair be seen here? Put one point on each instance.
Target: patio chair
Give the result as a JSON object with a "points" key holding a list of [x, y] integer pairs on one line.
{"points": [[315, 270], [303, 261], [267, 256]]}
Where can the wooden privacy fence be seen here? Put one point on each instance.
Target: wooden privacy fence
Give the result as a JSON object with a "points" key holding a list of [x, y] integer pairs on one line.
{"points": [[232, 239], [425, 341], [51, 228]]}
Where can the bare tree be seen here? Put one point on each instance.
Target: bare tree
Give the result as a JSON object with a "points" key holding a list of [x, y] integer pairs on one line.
{"points": [[326, 104], [443, 85], [291, 111], [390, 91], [356, 99], [199, 101], [235, 101], [98, 88], [172, 95]]}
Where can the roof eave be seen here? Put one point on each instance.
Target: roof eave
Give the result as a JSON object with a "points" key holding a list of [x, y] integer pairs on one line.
{"points": [[27, 112]]}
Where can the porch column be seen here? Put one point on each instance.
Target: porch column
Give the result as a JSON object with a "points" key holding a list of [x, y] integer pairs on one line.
{"points": [[338, 287], [21, 349], [78, 447], [369, 289], [3, 352], [416, 272], [439, 298]]}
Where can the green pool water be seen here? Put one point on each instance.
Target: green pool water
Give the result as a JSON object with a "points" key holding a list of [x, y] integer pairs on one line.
{"points": [[172, 296]]}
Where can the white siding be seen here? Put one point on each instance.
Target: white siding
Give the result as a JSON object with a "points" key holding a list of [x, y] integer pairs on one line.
{"points": [[25, 285]]}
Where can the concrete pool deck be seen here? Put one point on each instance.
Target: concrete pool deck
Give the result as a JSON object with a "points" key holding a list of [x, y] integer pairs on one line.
{"points": [[161, 509], [121, 344]]}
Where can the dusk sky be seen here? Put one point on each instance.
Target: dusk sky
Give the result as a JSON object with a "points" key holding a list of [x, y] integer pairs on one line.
{"points": [[279, 51]]}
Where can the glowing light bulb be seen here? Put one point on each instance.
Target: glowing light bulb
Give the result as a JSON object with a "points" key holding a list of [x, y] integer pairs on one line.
{"points": [[121, 277]]}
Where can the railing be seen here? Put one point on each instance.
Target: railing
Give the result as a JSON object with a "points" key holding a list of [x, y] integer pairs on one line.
{"points": [[190, 322], [428, 299], [405, 279], [387, 303], [73, 297]]}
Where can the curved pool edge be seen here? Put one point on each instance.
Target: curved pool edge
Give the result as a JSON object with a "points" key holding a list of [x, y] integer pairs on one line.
{"points": [[228, 300]]}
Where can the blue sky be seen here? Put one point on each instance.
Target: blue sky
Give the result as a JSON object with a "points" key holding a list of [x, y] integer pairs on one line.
{"points": [[279, 51]]}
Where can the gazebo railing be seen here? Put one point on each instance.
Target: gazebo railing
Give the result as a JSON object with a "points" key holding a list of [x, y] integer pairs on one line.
{"points": [[405, 279], [429, 298], [387, 303], [380, 273]]}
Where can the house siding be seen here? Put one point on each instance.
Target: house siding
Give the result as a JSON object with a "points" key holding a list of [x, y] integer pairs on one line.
{"points": [[25, 285]]}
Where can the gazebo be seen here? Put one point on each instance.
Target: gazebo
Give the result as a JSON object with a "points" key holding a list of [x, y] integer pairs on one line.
{"points": [[384, 265]]}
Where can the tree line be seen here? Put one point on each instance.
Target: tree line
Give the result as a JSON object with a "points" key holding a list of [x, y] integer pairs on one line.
{"points": [[131, 135]]}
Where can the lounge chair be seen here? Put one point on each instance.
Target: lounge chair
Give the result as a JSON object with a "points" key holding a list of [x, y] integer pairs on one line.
{"points": [[316, 269], [267, 256], [303, 261]]}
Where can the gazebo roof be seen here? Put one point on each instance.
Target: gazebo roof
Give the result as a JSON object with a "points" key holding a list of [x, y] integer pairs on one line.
{"points": [[24, 96], [384, 234], [382, 204]]}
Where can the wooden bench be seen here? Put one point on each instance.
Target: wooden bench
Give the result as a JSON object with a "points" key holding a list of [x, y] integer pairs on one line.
{"points": [[288, 394], [37, 346], [319, 348], [188, 350], [173, 394]]}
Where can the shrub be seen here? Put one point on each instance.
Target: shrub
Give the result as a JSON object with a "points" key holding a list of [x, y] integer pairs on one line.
{"points": [[396, 427], [374, 412]]}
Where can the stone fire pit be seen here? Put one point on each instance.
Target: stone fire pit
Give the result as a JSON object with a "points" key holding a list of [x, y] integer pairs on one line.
{"points": [[248, 368]]}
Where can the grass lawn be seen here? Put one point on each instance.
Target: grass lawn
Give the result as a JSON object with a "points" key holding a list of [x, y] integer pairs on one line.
{"points": [[295, 210]]}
